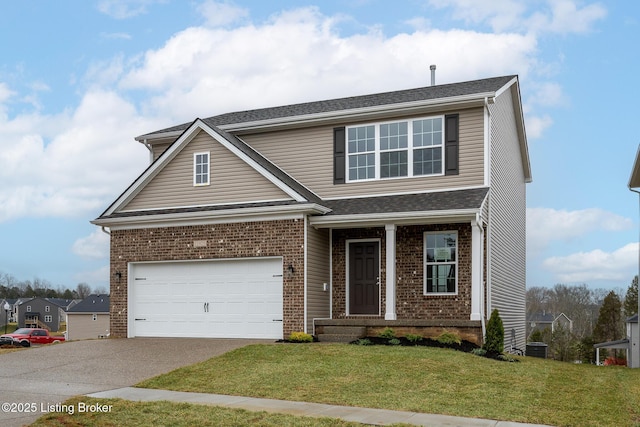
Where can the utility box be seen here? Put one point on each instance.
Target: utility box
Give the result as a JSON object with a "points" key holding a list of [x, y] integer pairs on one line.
{"points": [[537, 349]]}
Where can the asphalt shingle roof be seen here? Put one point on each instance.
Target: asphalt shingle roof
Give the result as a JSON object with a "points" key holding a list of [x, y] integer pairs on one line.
{"points": [[92, 304], [353, 102], [440, 201]]}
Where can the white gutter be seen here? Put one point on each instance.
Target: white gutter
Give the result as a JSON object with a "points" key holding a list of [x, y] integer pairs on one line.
{"points": [[239, 214], [363, 112], [406, 107]]}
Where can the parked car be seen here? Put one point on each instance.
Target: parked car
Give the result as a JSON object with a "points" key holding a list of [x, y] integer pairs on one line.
{"points": [[7, 341], [28, 336]]}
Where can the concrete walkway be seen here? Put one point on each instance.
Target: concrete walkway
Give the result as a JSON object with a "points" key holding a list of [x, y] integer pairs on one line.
{"points": [[347, 413]]}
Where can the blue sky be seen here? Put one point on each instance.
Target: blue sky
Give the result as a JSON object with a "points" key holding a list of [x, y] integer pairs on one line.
{"points": [[80, 79]]}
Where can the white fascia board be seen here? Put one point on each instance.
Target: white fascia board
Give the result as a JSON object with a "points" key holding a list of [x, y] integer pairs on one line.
{"points": [[159, 135], [264, 213], [361, 113], [398, 218], [514, 86], [634, 179]]}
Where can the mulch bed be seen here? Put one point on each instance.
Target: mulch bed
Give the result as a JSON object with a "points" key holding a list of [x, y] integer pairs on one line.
{"points": [[464, 346]]}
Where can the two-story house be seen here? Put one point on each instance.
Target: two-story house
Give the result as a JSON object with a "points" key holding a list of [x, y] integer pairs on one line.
{"points": [[402, 209], [45, 313]]}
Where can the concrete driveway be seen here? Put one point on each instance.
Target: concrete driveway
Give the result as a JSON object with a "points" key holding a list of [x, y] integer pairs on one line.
{"points": [[49, 375]]}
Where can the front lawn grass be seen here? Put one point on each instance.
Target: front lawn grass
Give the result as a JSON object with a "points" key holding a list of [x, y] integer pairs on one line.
{"points": [[157, 414], [422, 380]]}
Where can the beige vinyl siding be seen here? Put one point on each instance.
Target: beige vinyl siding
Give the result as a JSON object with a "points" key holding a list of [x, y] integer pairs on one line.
{"points": [[307, 155], [231, 181], [317, 263], [507, 222], [160, 148], [81, 326]]}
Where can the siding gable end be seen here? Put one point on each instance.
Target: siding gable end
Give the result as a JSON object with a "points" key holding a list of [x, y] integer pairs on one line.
{"points": [[235, 177]]}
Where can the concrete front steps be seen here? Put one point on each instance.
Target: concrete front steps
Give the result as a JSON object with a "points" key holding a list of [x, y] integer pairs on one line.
{"points": [[344, 334]]}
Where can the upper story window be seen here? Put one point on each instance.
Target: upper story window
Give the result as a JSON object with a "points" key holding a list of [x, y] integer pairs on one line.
{"points": [[47, 308], [201, 168], [396, 149], [28, 308], [441, 262]]}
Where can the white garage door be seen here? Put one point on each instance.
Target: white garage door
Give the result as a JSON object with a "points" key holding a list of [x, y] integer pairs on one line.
{"points": [[214, 299]]}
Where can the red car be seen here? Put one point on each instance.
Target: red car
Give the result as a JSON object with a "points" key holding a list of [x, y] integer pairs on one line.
{"points": [[28, 336]]}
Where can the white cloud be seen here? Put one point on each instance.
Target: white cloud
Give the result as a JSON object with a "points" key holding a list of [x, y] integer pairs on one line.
{"points": [[98, 278], [116, 36], [536, 125], [123, 9], [560, 16], [545, 225], [211, 70], [71, 164], [93, 246], [566, 17], [596, 265], [220, 14]]}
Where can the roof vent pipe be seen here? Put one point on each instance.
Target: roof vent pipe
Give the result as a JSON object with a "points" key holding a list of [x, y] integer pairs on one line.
{"points": [[433, 74]]}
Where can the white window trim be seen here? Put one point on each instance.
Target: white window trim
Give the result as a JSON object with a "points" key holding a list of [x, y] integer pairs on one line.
{"points": [[195, 156], [410, 149], [47, 308], [94, 317], [424, 263], [29, 309], [48, 318]]}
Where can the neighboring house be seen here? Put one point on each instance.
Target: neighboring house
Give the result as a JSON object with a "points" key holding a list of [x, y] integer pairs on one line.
{"points": [[403, 209], [630, 344], [89, 318], [16, 308], [45, 313], [541, 320]]}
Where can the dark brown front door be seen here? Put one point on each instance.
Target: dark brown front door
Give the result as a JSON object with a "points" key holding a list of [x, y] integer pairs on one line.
{"points": [[364, 278]]}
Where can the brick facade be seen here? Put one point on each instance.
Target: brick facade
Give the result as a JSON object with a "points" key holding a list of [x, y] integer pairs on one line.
{"points": [[284, 238], [411, 303]]}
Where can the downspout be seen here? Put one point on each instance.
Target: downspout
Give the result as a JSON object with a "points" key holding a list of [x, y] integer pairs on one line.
{"points": [[146, 144], [479, 225], [104, 230]]}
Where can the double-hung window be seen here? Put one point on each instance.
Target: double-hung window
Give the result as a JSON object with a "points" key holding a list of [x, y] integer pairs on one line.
{"points": [[440, 262], [361, 142], [201, 169], [408, 148]]}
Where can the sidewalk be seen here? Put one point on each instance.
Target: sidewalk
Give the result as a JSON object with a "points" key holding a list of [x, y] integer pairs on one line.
{"points": [[347, 413]]}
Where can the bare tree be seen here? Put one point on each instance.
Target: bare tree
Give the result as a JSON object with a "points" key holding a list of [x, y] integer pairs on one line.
{"points": [[83, 290]]}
